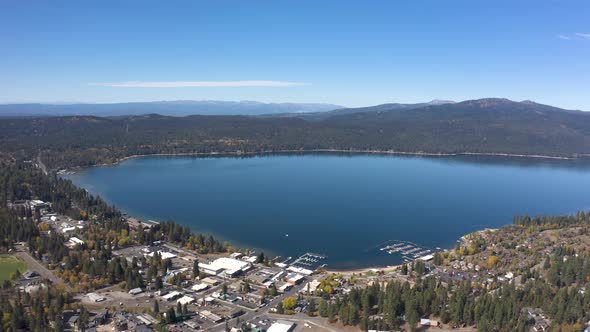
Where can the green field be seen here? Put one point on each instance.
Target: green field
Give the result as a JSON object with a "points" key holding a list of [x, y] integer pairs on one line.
{"points": [[9, 264]]}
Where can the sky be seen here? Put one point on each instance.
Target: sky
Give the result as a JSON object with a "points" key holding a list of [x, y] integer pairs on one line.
{"points": [[351, 53]]}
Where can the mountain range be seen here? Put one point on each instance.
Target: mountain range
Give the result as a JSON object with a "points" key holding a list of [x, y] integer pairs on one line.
{"points": [[170, 108]]}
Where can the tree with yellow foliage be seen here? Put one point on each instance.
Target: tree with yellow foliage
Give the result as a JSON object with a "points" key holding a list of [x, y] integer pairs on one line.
{"points": [[492, 261]]}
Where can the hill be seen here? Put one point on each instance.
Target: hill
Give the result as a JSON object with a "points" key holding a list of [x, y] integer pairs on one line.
{"points": [[486, 126], [317, 116]]}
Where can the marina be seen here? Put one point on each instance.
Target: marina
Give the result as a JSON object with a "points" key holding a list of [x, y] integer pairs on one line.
{"points": [[408, 251], [310, 261]]}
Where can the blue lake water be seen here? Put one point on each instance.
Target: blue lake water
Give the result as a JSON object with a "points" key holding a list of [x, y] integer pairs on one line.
{"points": [[342, 206]]}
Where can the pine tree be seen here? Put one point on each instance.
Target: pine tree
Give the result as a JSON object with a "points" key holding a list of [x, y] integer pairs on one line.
{"points": [[156, 307]]}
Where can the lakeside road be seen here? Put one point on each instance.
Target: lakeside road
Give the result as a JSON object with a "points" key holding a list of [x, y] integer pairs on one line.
{"points": [[39, 268]]}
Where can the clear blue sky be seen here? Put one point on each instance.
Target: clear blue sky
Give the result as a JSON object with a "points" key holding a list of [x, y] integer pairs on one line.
{"points": [[345, 52]]}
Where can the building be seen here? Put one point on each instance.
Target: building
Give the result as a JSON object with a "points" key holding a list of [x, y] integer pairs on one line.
{"points": [[281, 326], [294, 278], [300, 270], [210, 281], [96, 298], [254, 298], [200, 287], [428, 322], [250, 259], [206, 314], [172, 296], [38, 204], [30, 274], [210, 269], [133, 223], [228, 266], [311, 287], [74, 241], [186, 300], [136, 291], [426, 258], [69, 230], [285, 287], [235, 313], [192, 324]]}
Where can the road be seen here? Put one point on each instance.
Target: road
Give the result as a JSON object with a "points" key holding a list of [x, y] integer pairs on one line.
{"points": [[23, 254], [40, 164], [250, 314]]}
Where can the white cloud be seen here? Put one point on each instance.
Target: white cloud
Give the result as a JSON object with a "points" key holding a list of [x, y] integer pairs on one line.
{"points": [[189, 84], [575, 36]]}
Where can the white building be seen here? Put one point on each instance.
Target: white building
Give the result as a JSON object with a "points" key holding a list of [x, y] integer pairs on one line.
{"points": [[74, 241], [96, 298], [231, 267], [210, 269], [186, 300], [136, 291], [172, 296], [200, 287], [300, 270], [281, 326]]}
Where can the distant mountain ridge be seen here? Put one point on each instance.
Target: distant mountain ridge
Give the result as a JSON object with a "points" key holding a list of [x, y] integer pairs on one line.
{"points": [[369, 109], [169, 108]]}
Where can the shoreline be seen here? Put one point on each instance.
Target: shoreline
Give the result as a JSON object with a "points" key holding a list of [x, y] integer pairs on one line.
{"points": [[352, 151], [387, 268], [327, 151]]}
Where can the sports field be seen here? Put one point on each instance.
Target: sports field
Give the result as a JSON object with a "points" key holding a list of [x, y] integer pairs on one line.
{"points": [[9, 264]]}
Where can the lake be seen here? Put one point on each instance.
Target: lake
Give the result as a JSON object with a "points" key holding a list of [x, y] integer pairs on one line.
{"points": [[342, 206]]}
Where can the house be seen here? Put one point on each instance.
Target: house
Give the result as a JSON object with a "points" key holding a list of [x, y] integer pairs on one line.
{"points": [[29, 274], [211, 281], [38, 204], [73, 322], [235, 313], [232, 297], [74, 241], [311, 287], [133, 223], [206, 314], [200, 287], [541, 326], [428, 322], [191, 324], [100, 317], [186, 300], [254, 298]]}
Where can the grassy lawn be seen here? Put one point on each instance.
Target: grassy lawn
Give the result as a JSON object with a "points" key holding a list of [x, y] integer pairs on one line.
{"points": [[9, 264]]}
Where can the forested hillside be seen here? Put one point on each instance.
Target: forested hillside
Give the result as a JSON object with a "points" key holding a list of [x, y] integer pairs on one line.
{"points": [[479, 126]]}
